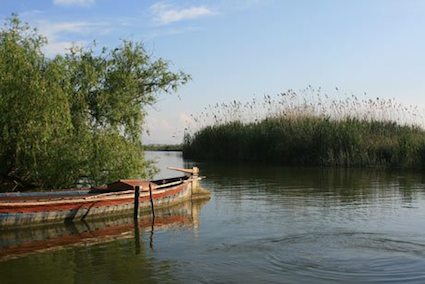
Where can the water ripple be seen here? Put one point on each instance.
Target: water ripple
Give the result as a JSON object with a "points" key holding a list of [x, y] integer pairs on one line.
{"points": [[339, 256]]}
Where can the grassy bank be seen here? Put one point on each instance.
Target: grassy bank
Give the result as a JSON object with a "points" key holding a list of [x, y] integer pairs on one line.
{"points": [[302, 136], [163, 147]]}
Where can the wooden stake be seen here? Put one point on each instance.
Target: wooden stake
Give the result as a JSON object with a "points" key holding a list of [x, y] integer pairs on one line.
{"points": [[136, 202], [151, 235], [151, 197]]}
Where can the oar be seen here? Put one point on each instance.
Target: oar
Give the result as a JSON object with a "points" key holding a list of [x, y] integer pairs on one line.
{"points": [[192, 171]]}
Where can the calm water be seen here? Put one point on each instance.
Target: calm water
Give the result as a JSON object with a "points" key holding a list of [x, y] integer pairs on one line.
{"points": [[263, 224]]}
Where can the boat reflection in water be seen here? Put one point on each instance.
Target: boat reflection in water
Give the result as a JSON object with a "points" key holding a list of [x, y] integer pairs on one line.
{"points": [[18, 242]]}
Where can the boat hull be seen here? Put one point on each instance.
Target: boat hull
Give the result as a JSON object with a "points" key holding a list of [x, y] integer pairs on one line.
{"points": [[23, 211]]}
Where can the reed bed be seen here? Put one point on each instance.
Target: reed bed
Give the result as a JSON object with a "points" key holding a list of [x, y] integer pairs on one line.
{"points": [[312, 129]]}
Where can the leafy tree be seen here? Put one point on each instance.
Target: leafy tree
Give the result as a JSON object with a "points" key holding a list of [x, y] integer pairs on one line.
{"points": [[75, 115]]}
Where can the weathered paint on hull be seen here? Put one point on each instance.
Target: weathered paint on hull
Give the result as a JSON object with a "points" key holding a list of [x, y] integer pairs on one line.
{"points": [[66, 211]]}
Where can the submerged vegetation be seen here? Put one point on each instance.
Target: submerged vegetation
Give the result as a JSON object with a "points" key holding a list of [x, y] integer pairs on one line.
{"points": [[75, 115], [310, 129]]}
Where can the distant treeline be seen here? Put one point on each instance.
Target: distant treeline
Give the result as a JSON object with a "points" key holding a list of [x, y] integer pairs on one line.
{"points": [[163, 147], [300, 135]]}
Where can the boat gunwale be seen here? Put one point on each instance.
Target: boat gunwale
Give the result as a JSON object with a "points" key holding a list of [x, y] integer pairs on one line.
{"points": [[95, 197]]}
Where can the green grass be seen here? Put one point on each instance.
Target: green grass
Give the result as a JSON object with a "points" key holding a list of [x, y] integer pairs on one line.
{"points": [[311, 139]]}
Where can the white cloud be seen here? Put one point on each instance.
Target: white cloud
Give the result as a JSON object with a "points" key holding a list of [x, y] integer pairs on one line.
{"points": [[58, 34], [165, 14], [74, 2], [53, 29]]}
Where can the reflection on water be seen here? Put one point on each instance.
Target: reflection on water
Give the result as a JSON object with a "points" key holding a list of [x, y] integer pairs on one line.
{"points": [[119, 247], [319, 225], [263, 224], [18, 242]]}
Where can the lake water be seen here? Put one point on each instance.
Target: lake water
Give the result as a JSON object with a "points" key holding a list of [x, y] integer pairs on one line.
{"points": [[263, 224]]}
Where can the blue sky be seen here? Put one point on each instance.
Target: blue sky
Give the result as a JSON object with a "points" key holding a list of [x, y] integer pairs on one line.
{"points": [[237, 49]]}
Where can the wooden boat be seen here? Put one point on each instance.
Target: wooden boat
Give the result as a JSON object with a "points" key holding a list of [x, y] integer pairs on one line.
{"points": [[120, 196], [18, 242]]}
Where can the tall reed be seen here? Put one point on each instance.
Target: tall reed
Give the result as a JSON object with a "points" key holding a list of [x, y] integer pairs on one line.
{"points": [[310, 129]]}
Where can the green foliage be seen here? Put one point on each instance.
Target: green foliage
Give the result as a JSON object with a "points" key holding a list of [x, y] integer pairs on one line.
{"points": [[75, 115]]}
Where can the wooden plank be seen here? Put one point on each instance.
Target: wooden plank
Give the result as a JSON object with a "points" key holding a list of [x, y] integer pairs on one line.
{"points": [[109, 193], [188, 171], [65, 201]]}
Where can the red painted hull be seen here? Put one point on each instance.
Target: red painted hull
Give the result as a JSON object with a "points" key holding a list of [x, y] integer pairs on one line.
{"points": [[19, 210]]}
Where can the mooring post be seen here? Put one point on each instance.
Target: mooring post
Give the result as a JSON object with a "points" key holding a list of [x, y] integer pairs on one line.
{"points": [[195, 181], [151, 198], [136, 202]]}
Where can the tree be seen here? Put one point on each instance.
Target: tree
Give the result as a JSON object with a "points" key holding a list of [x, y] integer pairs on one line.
{"points": [[75, 115]]}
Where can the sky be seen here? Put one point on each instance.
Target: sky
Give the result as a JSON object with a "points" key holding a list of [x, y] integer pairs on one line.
{"points": [[237, 50]]}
